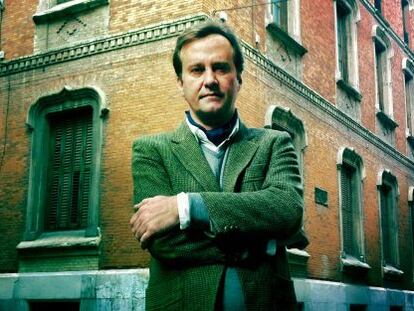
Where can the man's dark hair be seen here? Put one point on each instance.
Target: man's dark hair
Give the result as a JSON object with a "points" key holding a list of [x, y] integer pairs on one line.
{"points": [[201, 31]]}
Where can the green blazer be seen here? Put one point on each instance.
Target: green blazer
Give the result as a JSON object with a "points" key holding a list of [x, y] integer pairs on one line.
{"points": [[261, 199]]}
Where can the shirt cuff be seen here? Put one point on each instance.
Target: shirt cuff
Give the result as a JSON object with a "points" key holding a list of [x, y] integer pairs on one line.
{"points": [[199, 216], [271, 247], [183, 210]]}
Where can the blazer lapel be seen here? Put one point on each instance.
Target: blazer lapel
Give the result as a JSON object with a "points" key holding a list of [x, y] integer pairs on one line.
{"points": [[240, 153], [189, 153]]}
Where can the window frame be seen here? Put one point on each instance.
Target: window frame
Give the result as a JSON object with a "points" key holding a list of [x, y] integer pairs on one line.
{"points": [[383, 54], [292, 27], [378, 5], [404, 14], [349, 159], [282, 118], [65, 100], [411, 212], [347, 16], [408, 72], [50, 10], [387, 181]]}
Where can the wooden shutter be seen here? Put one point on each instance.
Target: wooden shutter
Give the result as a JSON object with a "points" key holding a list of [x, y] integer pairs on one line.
{"points": [[377, 4], [280, 14], [347, 196], [379, 65], [411, 208], [70, 170], [409, 89], [343, 32], [284, 15], [385, 222]]}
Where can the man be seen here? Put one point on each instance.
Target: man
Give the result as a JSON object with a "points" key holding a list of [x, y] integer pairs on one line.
{"points": [[215, 199]]}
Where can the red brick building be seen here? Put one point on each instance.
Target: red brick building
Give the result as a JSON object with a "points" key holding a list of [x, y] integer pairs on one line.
{"points": [[80, 79]]}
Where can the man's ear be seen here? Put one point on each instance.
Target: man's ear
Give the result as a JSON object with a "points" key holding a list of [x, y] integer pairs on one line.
{"points": [[180, 85], [239, 78]]}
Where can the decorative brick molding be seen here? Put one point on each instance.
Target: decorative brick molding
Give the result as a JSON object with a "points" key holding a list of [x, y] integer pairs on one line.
{"points": [[172, 29], [115, 42], [317, 100]]}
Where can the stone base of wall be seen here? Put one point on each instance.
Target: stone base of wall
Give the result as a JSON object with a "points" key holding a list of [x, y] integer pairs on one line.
{"points": [[319, 295], [125, 290], [94, 290]]}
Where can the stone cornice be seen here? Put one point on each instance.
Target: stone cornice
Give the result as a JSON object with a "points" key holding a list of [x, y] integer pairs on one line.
{"points": [[172, 29], [321, 103], [115, 42]]}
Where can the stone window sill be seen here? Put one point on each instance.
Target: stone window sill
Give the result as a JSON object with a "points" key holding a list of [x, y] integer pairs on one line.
{"points": [[61, 239], [348, 88], [391, 272], [59, 251], [386, 120], [351, 263], [298, 252], [298, 262], [283, 36], [66, 8]]}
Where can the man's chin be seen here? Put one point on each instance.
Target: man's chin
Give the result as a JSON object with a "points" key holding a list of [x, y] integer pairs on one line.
{"points": [[213, 117]]}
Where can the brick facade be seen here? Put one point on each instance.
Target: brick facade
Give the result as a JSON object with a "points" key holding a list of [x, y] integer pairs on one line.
{"points": [[129, 62]]}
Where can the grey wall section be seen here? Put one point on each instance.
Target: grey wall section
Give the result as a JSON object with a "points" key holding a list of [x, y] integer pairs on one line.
{"points": [[96, 290], [125, 290]]}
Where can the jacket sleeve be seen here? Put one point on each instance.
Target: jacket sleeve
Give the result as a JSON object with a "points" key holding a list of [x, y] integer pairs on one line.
{"points": [[150, 178], [274, 210]]}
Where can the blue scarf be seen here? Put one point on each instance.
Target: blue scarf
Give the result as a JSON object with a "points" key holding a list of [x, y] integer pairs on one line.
{"points": [[218, 134]]}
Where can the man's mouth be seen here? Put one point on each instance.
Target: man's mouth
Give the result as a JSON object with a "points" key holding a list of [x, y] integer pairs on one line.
{"points": [[211, 95]]}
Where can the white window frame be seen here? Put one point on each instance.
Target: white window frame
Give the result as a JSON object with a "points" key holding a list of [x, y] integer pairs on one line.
{"points": [[386, 177], [49, 9], [352, 45], [411, 213], [408, 70], [293, 22], [348, 156], [379, 37]]}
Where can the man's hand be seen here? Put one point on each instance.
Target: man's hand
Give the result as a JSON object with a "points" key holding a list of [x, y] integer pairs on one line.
{"points": [[153, 216]]}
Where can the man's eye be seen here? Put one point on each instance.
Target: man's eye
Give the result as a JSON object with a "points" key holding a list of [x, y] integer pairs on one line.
{"points": [[222, 68], [196, 69]]}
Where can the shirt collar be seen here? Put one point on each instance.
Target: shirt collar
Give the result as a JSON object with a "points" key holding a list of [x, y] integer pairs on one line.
{"points": [[202, 138]]}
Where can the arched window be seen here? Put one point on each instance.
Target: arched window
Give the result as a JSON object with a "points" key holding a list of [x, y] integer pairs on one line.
{"points": [[408, 70], [65, 163], [348, 95], [351, 175], [411, 213], [347, 16], [282, 118], [384, 104], [388, 193]]}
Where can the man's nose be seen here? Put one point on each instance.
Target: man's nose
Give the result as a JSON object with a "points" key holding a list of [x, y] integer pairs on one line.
{"points": [[210, 78]]}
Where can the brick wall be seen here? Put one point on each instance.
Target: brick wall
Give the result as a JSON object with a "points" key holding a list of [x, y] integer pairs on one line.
{"points": [[140, 88], [17, 15]]}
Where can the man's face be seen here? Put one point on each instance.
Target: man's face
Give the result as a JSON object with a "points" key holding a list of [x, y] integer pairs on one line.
{"points": [[209, 80]]}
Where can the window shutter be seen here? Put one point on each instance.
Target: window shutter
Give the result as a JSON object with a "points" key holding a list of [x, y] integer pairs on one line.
{"points": [[347, 174], [70, 170], [280, 14], [385, 223], [343, 30], [411, 207], [409, 89], [379, 63]]}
